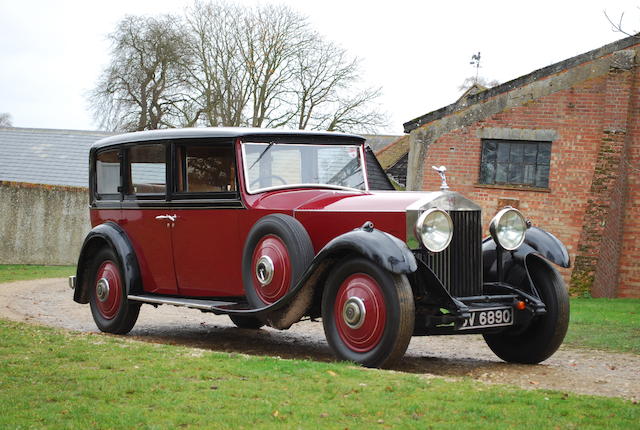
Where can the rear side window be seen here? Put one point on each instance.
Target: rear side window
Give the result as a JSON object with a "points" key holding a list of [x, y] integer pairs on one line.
{"points": [[108, 173], [147, 168]]}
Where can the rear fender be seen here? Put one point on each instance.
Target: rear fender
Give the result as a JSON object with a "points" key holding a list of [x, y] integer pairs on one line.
{"points": [[111, 235]]}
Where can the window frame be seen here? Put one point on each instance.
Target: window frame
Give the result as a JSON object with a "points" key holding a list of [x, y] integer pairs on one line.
{"points": [[106, 197], [174, 194], [126, 172], [513, 185]]}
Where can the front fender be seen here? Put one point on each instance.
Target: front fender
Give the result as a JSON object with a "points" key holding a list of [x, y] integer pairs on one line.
{"points": [[112, 235], [382, 248], [537, 242]]}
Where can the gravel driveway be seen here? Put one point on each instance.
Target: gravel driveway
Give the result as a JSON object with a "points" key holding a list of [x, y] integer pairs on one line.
{"points": [[49, 302]]}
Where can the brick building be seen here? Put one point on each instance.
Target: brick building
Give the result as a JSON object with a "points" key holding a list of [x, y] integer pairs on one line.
{"points": [[562, 144]]}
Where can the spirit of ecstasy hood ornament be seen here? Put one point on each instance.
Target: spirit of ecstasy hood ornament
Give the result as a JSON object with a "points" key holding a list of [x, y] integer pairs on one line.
{"points": [[441, 171]]}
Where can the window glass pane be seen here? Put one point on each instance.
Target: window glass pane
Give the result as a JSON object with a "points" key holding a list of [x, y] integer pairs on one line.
{"points": [[542, 177], [286, 162], [529, 174], [503, 152], [489, 151], [206, 169], [107, 172], [544, 153], [501, 173], [517, 151], [487, 173], [530, 153], [515, 174], [147, 168]]}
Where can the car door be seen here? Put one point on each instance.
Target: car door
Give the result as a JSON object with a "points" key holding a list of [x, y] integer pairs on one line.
{"points": [[206, 248], [146, 217]]}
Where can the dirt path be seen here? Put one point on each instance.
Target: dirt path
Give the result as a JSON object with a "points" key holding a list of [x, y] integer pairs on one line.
{"points": [[49, 302]]}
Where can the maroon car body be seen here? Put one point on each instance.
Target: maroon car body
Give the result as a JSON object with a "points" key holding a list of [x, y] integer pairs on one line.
{"points": [[272, 226]]}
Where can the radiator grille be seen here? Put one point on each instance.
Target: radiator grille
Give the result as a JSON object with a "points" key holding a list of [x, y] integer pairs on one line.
{"points": [[459, 267]]}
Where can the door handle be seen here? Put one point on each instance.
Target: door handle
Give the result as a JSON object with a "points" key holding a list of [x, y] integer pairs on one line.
{"points": [[171, 218]]}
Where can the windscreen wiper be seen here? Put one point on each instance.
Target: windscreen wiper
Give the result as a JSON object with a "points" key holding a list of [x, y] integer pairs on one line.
{"points": [[262, 154]]}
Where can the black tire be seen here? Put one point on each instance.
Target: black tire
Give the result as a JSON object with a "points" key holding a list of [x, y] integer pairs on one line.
{"points": [[251, 323], [112, 311], [545, 334], [286, 240], [377, 342]]}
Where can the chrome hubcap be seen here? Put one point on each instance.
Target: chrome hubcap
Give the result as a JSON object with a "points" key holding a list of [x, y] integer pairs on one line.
{"points": [[354, 312], [264, 270], [102, 289]]}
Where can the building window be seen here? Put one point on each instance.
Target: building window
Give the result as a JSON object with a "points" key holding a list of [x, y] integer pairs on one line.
{"points": [[515, 162]]}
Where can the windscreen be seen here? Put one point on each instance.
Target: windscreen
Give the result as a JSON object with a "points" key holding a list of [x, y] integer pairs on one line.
{"points": [[270, 165]]}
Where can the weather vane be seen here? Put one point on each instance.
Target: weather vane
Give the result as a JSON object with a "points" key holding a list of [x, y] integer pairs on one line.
{"points": [[475, 61]]}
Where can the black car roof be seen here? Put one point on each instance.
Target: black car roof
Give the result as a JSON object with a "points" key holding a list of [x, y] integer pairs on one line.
{"points": [[221, 132]]}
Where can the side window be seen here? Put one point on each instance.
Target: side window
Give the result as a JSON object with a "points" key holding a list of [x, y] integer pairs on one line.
{"points": [[205, 169], [147, 168], [108, 174]]}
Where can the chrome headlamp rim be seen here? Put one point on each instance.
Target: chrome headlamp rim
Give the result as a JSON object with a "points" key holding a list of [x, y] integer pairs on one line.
{"points": [[420, 223], [496, 234]]}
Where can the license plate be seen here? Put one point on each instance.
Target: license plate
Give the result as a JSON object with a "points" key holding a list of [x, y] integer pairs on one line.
{"points": [[489, 317]]}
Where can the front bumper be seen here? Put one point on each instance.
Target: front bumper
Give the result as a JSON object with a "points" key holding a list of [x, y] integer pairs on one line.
{"points": [[500, 296]]}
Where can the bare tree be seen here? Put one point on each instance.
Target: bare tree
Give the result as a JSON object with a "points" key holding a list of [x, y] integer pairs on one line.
{"points": [[478, 80], [273, 38], [5, 120], [618, 25], [141, 87], [218, 78], [228, 65]]}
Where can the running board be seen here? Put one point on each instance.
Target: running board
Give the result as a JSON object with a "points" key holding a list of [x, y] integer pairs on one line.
{"points": [[205, 305]]}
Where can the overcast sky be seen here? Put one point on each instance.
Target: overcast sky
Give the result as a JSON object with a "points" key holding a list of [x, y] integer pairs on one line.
{"points": [[52, 52]]}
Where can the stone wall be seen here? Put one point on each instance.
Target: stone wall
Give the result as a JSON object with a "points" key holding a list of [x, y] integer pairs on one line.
{"points": [[41, 224]]}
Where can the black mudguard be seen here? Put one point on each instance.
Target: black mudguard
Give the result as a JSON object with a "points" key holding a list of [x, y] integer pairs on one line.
{"points": [[382, 248], [112, 235], [537, 242]]}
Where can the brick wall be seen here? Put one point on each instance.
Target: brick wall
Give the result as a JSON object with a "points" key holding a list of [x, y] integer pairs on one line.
{"points": [[592, 203]]}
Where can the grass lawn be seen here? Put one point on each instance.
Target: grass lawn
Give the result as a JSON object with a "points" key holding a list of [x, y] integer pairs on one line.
{"points": [[610, 324], [20, 272], [55, 379]]}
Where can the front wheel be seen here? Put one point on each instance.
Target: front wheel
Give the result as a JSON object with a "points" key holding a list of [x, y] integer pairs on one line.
{"points": [[546, 332], [111, 310], [368, 313]]}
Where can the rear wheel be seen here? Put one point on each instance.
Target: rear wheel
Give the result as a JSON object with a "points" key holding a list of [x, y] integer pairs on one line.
{"points": [[368, 313], [546, 332], [111, 310]]}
